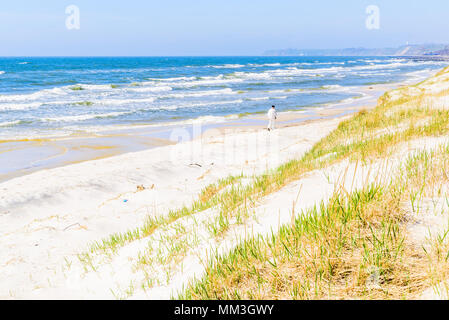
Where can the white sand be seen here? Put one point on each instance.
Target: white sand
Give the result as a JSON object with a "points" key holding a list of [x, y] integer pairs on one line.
{"points": [[53, 214], [120, 273], [48, 217], [41, 271]]}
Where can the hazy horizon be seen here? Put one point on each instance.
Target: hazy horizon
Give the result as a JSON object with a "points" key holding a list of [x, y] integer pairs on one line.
{"points": [[261, 54], [205, 28]]}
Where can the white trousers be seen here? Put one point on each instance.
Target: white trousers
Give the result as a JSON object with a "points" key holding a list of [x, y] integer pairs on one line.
{"points": [[271, 124]]}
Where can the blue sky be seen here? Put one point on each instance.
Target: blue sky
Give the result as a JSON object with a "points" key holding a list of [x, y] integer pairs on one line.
{"points": [[212, 27]]}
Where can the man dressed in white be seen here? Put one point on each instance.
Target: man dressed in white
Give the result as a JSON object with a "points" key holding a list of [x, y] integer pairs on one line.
{"points": [[272, 116]]}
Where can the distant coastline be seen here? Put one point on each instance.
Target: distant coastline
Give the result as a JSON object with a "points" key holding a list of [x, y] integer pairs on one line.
{"points": [[159, 223], [95, 108], [409, 50]]}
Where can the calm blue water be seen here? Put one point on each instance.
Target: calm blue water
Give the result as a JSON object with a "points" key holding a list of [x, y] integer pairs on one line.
{"points": [[38, 96]]}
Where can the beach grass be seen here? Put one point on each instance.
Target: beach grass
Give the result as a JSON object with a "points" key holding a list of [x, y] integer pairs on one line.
{"points": [[353, 246], [360, 138]]}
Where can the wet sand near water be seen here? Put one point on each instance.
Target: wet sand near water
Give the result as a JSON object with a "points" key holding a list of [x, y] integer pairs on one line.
{"points": [[22, 157]]}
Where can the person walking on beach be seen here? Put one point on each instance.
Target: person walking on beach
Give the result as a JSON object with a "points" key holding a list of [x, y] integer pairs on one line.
{"points": [[272, 116]]}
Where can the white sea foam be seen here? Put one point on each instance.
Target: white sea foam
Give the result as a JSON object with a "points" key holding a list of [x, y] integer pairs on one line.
{"points": [[258, 98], [189, 82], [291, 71], [173, 79], [252, 75], [195, 105], [201, 93], [117, 102], [265, 65], [149, 89], [229, 66], [394, 64], [334, 87], [84, 117], [19, 106], [207, 81], [10, 123], [93, 87], [329, 88], [47, 93], [211, 119]]}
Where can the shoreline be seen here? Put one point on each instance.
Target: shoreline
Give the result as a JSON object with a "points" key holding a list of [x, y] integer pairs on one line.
{"points": [[24, 156], [85, 202], [50, 216]]}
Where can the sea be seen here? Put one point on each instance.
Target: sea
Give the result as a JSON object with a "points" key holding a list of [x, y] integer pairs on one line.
{"points": [[49, 96]]}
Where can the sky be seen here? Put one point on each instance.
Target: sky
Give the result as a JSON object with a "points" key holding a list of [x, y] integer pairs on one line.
{"points": [[213, 27]]}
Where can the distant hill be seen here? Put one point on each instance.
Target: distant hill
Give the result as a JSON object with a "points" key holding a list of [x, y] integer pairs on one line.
{"points": [[443, 52], [406, 50]]}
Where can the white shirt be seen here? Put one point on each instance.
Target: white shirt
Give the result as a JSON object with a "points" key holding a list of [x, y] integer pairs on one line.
{"points": [[272, 114]]}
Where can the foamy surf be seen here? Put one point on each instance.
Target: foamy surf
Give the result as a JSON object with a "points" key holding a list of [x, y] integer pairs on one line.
{"points": [[85, 117], [10, 123], [105, 93]]}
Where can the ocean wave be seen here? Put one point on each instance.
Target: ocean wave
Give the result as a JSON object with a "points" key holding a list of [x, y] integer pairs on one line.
{"points": [[189, 82], [46, 93], [207, 81], [203, 91], [383, 61], [107, 102], [264, 65], [194, 105], [93, 87], [228, 66], [210, 119], [85, 117], [338, 69], [251, 75], [295, 71], [12, 123], [52, 97], [333, 87], [157, 88], [2, 72], [149, 89], [117, 102], [393, 64], [19, 106], [258, 98], [222, 79], [266, 98], [371, 74], [226, 91], [173, 79]]}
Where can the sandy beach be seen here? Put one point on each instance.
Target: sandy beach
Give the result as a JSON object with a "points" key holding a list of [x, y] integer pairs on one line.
{"points": [[26, 155], [211, 159], [51, 215]]}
